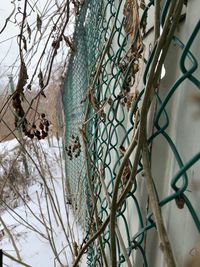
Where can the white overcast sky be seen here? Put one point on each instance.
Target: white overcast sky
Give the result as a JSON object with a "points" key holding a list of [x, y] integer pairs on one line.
{"points": [[8, 46], [8, 49]]}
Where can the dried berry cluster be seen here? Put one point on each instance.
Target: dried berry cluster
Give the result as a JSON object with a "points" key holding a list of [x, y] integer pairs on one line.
{"points": [[127, 98], [74, 149], [40, 131], [129, 64], [129, 67]]}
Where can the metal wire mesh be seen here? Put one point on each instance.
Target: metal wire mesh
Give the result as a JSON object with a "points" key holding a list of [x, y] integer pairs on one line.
{"points": [[113, 79]]}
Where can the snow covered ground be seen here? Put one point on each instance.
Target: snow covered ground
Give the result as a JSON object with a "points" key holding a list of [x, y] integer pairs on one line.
{"points": [[42, 214]]}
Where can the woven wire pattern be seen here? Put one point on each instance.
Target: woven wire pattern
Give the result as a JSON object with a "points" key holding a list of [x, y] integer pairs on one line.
{"points": [[110, 130]]}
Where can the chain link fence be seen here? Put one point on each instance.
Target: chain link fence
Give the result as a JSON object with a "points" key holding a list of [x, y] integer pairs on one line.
{"points": [[104, 87]]}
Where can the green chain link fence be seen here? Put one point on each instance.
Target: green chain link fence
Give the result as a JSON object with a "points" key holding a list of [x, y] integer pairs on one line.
{"points": [[105, 68]]}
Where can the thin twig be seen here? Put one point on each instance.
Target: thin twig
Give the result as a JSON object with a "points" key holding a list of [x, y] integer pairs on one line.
{"points": [[14, 259], [157, 20], [11, 238], [154, 202]]}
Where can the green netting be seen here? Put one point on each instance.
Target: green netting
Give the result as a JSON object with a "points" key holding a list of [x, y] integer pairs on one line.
{"points": [[103, 70]]}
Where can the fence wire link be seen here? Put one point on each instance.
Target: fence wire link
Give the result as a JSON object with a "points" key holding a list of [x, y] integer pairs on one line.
{"points": [[101, 103]]}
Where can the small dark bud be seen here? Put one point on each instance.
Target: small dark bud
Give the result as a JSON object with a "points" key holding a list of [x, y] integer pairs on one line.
{"points": [[41, 126]]}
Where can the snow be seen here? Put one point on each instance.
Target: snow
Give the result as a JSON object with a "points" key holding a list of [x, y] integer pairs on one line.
{"points": [[33, 248], [8, 145]]}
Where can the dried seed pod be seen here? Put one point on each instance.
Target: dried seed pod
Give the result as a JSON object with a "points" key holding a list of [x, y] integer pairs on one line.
{"points": [[37, 133], [41, 126], [44, 134], [31, 136], [46, 123], [180, 202], [27, 132], [74, 148]]}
